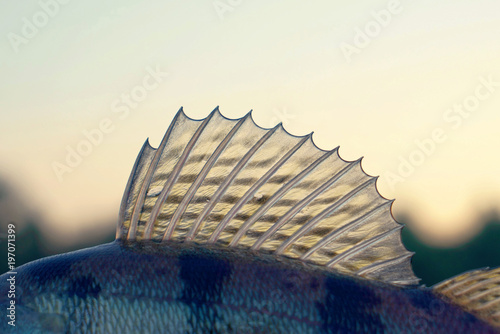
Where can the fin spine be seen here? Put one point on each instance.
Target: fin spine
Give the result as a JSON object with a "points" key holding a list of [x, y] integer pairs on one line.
{"points": [[488, 304], [484, 293], [173, 178], [123, 205], [326, 212], [346, 228], [358, 248], [256, 186], [455, 285], [199, 180], [279, 194], [300, 205], [227, 182], [377, 265], [478, 285], [148, 178]]}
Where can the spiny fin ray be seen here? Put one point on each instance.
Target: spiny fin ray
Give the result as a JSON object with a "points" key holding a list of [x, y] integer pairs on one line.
{"points": [[233, 183], [477, 291]]}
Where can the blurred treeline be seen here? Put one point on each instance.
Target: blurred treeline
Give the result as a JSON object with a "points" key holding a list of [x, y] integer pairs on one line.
{"points": [[30, 241], [431, 264]]}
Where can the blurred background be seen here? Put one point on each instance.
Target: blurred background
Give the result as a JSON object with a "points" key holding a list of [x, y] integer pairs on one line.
{"points": [[414, 87]]}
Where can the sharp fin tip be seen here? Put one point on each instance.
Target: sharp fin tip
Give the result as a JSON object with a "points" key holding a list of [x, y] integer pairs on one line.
{"points": [[246, 116], [179, 113], [148, 144], [307, 136]]}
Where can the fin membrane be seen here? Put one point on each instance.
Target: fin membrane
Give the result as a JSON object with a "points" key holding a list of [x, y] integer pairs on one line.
{"points": [[233, 183], [477, 291]]}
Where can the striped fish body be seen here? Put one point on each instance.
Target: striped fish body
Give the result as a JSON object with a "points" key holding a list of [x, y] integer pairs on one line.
{"points": [[186, 288]]}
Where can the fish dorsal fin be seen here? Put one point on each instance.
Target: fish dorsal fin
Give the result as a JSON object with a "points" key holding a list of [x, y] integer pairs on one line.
{"points": [[233, 183], [477, 291]]}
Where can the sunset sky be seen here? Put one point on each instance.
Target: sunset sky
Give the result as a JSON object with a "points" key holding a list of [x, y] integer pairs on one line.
{"points": [[413, 86]]}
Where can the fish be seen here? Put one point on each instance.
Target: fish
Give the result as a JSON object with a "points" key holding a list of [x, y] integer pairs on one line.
{"points": [[228, 227]]}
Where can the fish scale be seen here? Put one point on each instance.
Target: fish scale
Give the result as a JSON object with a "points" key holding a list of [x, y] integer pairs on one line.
{"points": [[209, 288], [227, 227]]}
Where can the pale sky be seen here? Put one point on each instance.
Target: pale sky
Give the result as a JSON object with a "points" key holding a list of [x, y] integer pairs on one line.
{"points": [[413, 86]]}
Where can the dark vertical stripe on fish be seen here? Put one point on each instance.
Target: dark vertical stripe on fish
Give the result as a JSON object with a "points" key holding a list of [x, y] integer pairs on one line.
{"points": [[84, 286], [203, 277], [345, 308]]}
